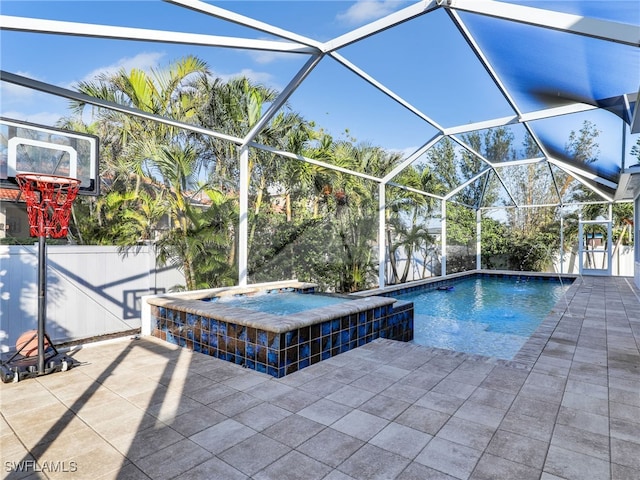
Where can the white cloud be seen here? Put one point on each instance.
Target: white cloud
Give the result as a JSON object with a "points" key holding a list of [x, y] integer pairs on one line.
{"points": [[142, 61], [404, 151], [39, 118], [261, 78], [364, 11], [264, 56], [11, 93], [28, 105]]}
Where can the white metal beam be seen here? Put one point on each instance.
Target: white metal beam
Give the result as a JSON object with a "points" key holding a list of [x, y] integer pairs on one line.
{"points": [[471, 149], [486, 161], [521, 206], [522, 118], [312, 161], [516, 163], [382, 229], [583, 173], [529, 116], [37, 25], [544, 151], [635, 120], [443, 239], [556, 112], [245, 21], [623, 33], [478, 239], [243, 220], [483, 193], [483, 125], [415, 190], [466, 183], [504, 185], [381, 24], [577, 174], [571, 204], [283, 97]]}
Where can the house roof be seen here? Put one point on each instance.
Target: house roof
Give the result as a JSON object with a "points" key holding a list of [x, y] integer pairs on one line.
{"points": [[10, 195]]}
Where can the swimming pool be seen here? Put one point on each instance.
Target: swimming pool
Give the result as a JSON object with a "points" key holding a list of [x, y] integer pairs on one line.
{"points": [[279, 302], [485, 315]]}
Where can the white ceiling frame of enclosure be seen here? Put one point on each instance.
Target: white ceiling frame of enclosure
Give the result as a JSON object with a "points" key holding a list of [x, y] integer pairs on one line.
{"points": [[293, 43], [566, 22]]}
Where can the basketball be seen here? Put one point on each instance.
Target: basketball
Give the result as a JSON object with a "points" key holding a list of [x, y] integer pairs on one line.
{"points": [[27, 343]]}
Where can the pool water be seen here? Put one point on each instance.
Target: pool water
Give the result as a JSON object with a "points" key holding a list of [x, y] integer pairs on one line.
{"points": [[278, 302], [491, 316]]}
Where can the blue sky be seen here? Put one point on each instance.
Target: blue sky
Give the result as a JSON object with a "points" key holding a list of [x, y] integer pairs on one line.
{"points": [[441, 77]]}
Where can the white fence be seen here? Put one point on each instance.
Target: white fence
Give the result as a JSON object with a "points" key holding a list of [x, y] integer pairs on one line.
{"points": [[621, 262], [94, 291], [91, 290]]}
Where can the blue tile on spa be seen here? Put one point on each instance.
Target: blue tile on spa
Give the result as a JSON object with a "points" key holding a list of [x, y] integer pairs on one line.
{"points": [[325, 328]]}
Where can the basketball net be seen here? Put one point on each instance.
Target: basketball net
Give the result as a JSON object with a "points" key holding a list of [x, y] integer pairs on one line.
{"points": [[49, 199]]}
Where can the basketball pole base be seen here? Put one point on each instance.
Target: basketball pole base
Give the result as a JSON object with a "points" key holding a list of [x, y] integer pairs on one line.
{"points": [[24, 363]]}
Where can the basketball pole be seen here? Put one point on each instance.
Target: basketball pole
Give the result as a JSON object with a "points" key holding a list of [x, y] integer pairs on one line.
{"points": [[42, 299]]}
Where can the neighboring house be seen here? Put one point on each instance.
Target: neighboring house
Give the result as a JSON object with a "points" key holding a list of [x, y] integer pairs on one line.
{"points": [[13, 215]]}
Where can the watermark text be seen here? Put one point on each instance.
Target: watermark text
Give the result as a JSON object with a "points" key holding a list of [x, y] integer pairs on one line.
{"points": [[44, 467]]}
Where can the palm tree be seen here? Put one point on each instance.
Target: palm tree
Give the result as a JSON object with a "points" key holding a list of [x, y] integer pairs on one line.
{"points": [[133, 141], [200, 246], [176, 166], [407, 214], [355, 203]]}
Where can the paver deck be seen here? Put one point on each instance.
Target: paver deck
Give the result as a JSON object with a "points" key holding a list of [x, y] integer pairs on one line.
{"points": [[567, 407]]}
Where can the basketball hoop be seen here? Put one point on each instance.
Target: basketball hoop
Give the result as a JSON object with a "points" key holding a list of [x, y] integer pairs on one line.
{"points": [[49, 199]]}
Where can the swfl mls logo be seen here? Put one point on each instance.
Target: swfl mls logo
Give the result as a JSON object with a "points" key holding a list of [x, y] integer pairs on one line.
{"points": [[43, 467]]}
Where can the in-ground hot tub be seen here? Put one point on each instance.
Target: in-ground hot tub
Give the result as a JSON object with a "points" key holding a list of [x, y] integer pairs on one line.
{"points": [[270, 341]]}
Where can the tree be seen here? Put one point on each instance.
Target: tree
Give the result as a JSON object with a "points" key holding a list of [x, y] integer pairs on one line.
{"points": [[532, 185], [408, 219], [583, 149], [130, 145], [635, 150], [153, 171], [451, 170], [199, 246], [351, 213], [133, 140]]}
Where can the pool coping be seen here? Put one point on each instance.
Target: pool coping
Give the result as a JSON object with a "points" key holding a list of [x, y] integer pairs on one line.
{"points": [[186, 302], [437, 281]]}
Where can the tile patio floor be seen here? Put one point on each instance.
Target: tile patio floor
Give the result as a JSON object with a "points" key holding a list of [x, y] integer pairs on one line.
{"points": [[568, 407]]}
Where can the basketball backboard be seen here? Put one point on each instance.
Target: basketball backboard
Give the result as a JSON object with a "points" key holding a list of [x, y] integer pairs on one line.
{"points": [[31, 148]]}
